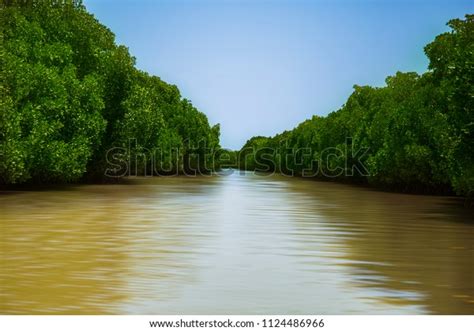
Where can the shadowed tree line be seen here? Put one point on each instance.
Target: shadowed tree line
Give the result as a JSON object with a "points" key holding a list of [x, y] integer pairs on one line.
{"points": [[416, 133], [69, 94]]}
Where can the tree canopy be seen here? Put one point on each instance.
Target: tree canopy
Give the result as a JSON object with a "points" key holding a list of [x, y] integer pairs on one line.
{"points": [[70, 94], [416, 133], [73, 106]]}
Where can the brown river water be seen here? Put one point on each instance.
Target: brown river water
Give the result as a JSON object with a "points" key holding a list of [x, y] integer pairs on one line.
{"points": [[238, 244]]}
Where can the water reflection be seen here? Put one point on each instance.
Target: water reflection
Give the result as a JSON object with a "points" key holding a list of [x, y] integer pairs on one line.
{"points": [[234, 244], [404, 249]]}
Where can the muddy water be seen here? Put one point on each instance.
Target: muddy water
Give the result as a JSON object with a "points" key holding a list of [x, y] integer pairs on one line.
{"points": [[239, 244]]}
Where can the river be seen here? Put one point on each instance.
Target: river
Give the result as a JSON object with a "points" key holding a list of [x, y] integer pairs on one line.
{"points": [[237, 244]]}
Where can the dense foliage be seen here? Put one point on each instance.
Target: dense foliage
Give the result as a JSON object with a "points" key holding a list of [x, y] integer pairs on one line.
{"points": [[69, 95], [73, 106], [414, 134]]}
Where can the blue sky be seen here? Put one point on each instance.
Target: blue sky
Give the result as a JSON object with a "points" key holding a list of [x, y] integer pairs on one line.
{"points": [[260, 67]]}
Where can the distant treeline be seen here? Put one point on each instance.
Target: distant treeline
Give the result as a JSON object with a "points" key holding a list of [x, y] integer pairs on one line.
{"points": [[69, 95], [414, 134]]}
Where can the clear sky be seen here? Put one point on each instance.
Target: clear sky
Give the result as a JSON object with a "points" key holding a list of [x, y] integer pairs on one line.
{"points": [[260, 67]]}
